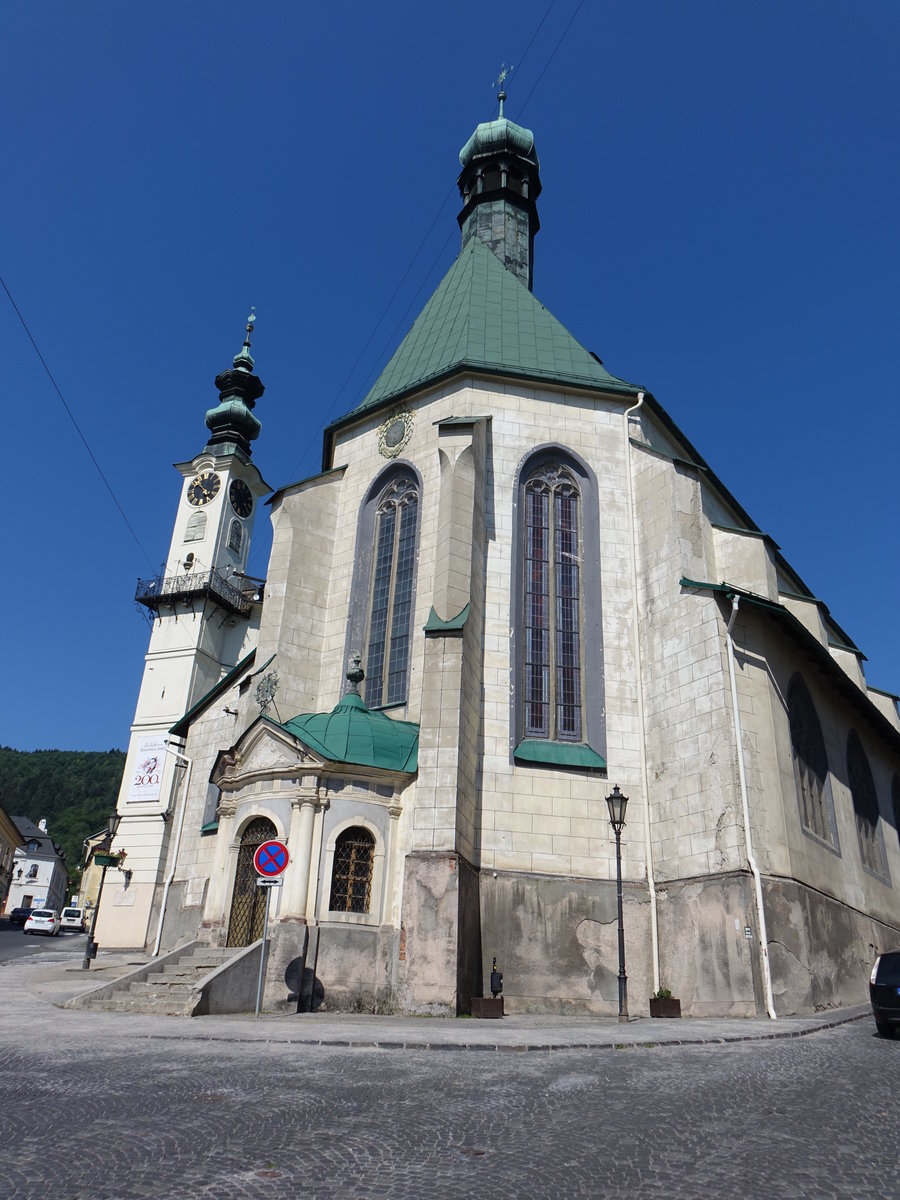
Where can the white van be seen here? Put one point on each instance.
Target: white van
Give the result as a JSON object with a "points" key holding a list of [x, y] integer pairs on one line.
{"points": [[72, 918]]}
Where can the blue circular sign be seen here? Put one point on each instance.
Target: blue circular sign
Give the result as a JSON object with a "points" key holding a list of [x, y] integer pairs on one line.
{"points": [[271, 859]]}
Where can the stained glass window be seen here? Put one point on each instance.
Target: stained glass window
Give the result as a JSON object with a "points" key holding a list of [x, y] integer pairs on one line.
{"points": [[552, 643], [810, 762], [390, 605], [865, 805]]}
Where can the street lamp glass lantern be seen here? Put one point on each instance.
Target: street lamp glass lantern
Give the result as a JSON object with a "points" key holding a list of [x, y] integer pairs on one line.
{"points": [[112, 824], [616, 803]]}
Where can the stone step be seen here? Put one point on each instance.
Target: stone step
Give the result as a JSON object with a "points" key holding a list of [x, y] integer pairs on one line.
{"points": [[170, 990], [160, 987]]}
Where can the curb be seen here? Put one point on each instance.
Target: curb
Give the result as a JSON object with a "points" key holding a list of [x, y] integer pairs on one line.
{"points": [[368, 1043]]}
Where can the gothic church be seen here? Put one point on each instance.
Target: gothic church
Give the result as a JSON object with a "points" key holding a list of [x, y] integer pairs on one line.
{"points": [[514, 585]]}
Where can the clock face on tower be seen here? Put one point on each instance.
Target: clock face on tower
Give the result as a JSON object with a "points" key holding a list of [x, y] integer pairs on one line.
{"points": [[203, 488], [241, 497]]}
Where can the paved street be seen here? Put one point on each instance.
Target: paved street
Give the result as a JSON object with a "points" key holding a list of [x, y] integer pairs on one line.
{"points": [[100, 1106]]}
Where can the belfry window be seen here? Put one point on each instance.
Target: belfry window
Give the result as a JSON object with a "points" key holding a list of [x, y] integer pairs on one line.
{"points": [[351, 875], [389, 627], [235, 536], [810, 764], [552, 611], [865, 806], [196, 527]]}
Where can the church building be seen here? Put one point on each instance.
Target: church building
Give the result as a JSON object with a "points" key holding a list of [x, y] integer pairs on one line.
{"points": [[514, 587]]}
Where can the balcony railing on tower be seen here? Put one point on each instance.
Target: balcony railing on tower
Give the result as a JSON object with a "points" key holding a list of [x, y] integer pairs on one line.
{"points": [[166, 591]]}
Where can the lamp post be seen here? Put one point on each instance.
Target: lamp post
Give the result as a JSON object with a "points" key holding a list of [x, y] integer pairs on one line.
{"points": [[90, 950], [616, 803]]}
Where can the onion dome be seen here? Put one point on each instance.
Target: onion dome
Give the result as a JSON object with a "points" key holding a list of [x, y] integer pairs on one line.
{"points": [[232, 423]]}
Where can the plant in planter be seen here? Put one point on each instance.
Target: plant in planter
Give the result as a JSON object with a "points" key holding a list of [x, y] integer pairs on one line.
{"points": [[664, 1004]]}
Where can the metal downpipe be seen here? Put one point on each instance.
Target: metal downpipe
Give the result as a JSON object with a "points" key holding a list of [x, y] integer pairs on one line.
{"points": [[754, 869], [645, 777]]}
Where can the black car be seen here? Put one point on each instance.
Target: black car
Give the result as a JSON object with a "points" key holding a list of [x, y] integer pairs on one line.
{"points": [[884, 992], [18, 916]]}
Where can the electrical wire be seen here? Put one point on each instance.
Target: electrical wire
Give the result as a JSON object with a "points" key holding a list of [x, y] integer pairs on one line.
{"points": [[71, 416], [331, 407]]}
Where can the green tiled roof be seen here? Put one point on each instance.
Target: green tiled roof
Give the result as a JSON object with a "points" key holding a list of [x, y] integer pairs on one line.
{"points": [[481, 316], [351, 733], [558, 754]]}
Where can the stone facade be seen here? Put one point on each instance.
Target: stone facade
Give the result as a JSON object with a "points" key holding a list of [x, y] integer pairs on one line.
{"points": [[694, 634]]}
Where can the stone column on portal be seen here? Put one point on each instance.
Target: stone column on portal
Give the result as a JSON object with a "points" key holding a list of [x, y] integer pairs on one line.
{"points": [[300, 840]]}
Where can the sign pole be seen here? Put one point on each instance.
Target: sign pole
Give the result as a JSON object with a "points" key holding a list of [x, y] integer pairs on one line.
{"points": [[262, 953]]}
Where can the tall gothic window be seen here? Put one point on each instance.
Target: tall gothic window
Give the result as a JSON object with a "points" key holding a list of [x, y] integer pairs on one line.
{"points": [[865, 805], [391, 593], [552, 632], [810, 763], [351, 875]]}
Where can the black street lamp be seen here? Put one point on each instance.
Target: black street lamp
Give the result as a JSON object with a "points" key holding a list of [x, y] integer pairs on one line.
{"points": [[90, 950], [616, 803]]}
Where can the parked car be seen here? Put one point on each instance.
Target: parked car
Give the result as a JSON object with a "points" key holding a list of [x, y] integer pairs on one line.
{"points": [[884, 992], [72, 918], [18, 916], [43, 920]]}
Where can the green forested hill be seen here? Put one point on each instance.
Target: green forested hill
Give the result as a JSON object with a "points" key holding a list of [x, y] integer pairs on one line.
{"points": [[75, 790]]}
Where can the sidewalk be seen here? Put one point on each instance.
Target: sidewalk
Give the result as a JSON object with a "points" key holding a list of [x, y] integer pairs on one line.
{"points": [[51, 983]]}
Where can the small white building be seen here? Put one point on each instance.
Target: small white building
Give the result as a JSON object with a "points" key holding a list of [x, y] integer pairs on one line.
{"points": [[39, 875]]}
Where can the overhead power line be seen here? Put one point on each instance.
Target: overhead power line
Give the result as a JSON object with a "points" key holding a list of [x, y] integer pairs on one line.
{"points": [[71, 416]]}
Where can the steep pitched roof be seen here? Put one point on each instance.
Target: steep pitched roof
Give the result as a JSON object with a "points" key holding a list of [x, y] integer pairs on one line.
{"points": [[482, 317]]}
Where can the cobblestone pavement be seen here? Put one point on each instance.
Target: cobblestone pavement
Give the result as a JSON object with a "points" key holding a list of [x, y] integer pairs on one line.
{"points": [[110, 1107]]}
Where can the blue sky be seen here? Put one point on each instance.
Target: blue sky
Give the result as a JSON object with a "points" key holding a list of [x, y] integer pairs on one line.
{"points": [[719, 223]]}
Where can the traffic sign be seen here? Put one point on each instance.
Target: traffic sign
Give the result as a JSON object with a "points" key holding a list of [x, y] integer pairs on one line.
{"points": [[269, 883], [271, 859]]}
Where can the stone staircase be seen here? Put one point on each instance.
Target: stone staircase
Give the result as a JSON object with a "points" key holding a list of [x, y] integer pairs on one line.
{"points": [[173, 990]]}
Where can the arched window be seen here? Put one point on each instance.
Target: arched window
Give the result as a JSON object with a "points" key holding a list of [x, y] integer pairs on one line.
{"points": [[810, 763], [557, 716], [552, 629], [865, 805], [393, 573], [196, 527], [351, 874], [235, 536]]}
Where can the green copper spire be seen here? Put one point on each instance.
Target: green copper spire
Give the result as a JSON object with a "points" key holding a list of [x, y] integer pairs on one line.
{"points": [[231, 422]]}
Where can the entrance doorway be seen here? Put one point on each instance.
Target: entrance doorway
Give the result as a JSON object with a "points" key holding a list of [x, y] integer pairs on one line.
{"points": [[248, 902]]}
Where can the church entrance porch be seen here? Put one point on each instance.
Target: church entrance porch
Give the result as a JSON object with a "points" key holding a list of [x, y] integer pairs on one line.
{"points": [[248, 902]]}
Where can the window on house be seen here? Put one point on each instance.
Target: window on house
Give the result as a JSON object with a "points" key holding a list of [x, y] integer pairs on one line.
{"points": [[196, 527], [865, 805], [810, 764], [235, 536], [389, 628], [351, 875], [552, 627]]}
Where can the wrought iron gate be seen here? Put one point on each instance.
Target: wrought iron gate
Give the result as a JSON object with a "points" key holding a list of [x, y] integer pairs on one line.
{"points": [[248, 902]]}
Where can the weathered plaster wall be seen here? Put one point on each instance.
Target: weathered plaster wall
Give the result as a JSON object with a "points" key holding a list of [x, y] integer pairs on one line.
{"points": [[556, 942]]}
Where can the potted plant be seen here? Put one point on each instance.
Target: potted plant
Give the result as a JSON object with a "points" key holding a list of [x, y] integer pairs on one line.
{"points": [[664, 1004]]}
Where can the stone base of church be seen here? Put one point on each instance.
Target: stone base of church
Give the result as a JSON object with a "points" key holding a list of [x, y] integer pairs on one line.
{"points": [[555, 941]]}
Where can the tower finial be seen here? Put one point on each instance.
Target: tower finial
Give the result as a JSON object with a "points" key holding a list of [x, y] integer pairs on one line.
{"points": [[355, 673], [251, 321], [500, 82]]}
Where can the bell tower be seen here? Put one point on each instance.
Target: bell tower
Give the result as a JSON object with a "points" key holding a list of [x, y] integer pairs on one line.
{"points": [[499, 185], [205, 618]]}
